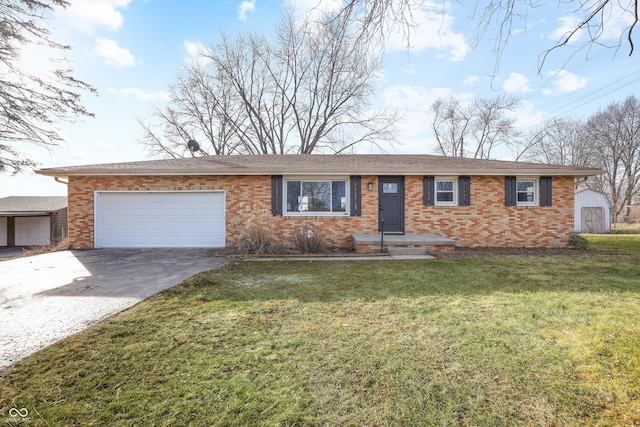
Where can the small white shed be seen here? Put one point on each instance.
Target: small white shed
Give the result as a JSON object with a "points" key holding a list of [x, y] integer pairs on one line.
{"points": [[592, 212]]}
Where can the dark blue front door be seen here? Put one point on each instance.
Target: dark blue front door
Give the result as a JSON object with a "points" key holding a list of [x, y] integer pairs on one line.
{"points": [[391, 205]]}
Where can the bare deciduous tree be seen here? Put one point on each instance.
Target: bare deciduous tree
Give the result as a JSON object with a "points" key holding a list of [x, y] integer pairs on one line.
{"points": [[251, 70], [375, 19], [558, 141], [450, 126], [615, 135], [32, 104], [307, 91], [473, 130], [199, 106], [499, 18]]}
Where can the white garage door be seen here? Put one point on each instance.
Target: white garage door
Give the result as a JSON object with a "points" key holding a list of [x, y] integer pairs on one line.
{"points": [[3, 231], [141, 219], [33, 230]]}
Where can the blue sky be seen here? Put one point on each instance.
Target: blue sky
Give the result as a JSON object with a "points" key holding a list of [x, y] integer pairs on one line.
{"points": [[131, 51]]}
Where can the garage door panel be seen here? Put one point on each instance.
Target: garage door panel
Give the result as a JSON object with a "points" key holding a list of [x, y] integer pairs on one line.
{"points": [[160, 219], [33, 231], [4, 231]]}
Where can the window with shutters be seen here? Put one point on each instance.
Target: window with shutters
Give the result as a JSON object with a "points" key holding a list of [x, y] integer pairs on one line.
{"points": [[445, 192], [316, 197], [526, 192]]}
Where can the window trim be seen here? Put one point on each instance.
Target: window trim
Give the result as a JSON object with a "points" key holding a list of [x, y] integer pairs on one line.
{"points": [[536, 189], [330, 179], [454, 180]]}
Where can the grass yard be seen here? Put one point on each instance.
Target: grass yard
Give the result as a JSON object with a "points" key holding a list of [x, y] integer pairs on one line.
{"points": [[625, 238], [479, 340]]}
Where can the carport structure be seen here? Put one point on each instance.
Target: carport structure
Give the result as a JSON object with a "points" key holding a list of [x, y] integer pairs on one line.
{"points": [[32, 220]]}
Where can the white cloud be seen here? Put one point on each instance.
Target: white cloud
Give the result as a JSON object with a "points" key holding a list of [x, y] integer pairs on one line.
{"points": [[433, 31], [245, 7], [613, 19], [89, 15], [516, 83], [313, 8], [470, 80], [139, 94], [567, 24], [194, 50], [565, 81], [409, 69], [416, 98], [114, 54], [617, 21], [415, 133], [528, 116]]}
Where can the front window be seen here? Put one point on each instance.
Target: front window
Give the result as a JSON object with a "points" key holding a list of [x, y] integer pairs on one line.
{"points": [[316, 197], [526, 192], [445, 191]]}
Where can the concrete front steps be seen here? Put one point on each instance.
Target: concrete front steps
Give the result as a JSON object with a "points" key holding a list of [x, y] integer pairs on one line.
{"points": [[403, 244]]}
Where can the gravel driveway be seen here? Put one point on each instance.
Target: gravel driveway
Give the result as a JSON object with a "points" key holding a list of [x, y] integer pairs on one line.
{"points": [[47, 297]]}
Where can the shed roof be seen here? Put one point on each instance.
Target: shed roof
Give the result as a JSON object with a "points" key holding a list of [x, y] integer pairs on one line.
{"points": [[322, 164], [587, 195], [31, 204]]}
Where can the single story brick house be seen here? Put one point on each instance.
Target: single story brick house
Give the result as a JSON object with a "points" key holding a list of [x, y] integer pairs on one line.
{"points": [[32, 220], [211, 201]]}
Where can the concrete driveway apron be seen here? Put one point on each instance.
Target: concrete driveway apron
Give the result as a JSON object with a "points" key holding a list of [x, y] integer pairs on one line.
{"points": [[47, 297]]}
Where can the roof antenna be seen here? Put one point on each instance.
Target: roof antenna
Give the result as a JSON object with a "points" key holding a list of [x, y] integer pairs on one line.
{"points": [[193, 146]]}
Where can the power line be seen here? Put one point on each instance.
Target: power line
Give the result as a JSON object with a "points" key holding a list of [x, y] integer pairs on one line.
{"points": [[589, 97]]}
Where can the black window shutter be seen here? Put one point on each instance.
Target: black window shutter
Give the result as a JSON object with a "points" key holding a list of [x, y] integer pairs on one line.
{"points": [[276, 195], [428, 190], [510, 198], [464, 191], [355, 190], [545, 191]]}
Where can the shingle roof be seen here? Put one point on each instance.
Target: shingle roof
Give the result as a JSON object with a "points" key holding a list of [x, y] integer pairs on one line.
{"points": [[322, 164], [29, 204]]}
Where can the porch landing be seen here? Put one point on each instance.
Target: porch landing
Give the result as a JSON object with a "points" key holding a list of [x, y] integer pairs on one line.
{"points": [[403, 244]]}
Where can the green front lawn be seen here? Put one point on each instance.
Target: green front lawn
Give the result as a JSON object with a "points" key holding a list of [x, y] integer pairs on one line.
{"points": [[482, 340], [624, 238]]}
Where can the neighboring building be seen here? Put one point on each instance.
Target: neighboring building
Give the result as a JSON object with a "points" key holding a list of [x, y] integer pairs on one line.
{"points": [[33, 221], [211, 201], [592, 212]]}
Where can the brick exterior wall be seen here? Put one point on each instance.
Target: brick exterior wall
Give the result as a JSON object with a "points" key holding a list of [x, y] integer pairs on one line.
{"points": [[486, 223]]}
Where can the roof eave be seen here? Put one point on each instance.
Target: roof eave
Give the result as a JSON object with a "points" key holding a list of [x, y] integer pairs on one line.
{"points": [[65, 174], [28, 213]]}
